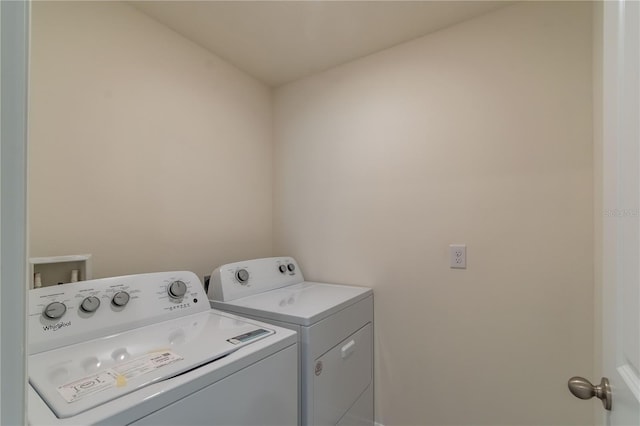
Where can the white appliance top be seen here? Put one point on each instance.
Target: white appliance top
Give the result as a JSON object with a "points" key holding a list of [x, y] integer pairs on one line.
{"points": [[274, 288], [95, 341]]}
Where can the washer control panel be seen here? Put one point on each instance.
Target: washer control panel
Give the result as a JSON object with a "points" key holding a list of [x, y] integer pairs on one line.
{"points": [[242, 279], [70, 313]]}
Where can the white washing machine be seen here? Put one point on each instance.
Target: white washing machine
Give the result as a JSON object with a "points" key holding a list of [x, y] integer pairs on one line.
{"points": [[149, 350], [335, 330]]}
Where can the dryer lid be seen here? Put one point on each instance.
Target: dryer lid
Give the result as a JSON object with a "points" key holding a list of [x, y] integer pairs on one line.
{"points": [[304, 304], [77, 378]]}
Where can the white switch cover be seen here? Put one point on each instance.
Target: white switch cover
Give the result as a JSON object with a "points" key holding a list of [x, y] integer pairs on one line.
{"points": [[458, 256]]}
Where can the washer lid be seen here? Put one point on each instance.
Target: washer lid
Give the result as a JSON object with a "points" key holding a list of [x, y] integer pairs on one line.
{"points": [[304, 304], [76, 378]]}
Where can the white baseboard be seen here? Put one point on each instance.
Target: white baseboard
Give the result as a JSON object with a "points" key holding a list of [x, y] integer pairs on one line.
{"points": [[377, 424]]}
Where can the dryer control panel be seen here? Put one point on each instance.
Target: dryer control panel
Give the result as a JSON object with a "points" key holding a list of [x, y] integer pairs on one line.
{"points": [[76, 312], [241, 279]]}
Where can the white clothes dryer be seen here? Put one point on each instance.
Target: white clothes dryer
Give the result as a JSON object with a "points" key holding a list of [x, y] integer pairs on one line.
{"points": [[149, 350], [335, 331]]}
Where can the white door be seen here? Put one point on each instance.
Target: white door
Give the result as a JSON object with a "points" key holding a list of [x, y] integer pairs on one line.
{"points": [[621, 202], [14, 31]]}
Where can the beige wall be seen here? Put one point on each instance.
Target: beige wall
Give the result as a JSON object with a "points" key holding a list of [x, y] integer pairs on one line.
{"points": [[145, 149], [153, 154], [478, 134]]}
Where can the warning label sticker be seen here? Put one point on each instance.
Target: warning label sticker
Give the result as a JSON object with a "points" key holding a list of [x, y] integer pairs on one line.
{"points": [[117, 376]]}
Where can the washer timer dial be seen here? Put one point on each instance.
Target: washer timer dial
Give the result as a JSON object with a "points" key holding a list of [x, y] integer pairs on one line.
{"points": [[242, 275], [90, 304], [177, 289], [121, 298], [54, 310]]}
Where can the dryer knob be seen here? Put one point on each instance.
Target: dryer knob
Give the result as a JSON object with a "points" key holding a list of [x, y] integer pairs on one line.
{"points": [[54, 310], [242, 275], [177, 289], [282, 269], [90, 304], [121, 298], [291, 267]]}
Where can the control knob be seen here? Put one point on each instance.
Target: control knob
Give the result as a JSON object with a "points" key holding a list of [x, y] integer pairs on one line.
{"points": [[282, 269], [90, 304], [242, 275], [291, 267], [177, 289], [54, 310], [121, 298]]}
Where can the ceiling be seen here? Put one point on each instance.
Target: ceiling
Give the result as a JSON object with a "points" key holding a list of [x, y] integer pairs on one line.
{"points": [[281, 41]]}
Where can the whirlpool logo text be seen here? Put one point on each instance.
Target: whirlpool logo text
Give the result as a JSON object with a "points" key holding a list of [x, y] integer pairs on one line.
{"points": [[57, 326]]}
